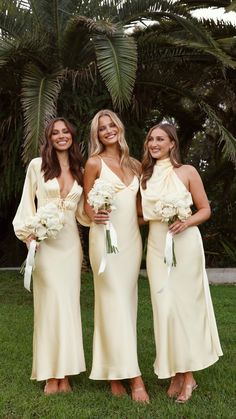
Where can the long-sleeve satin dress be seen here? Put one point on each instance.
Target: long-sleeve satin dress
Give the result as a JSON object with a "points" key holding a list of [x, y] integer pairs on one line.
{"points": [[57, 339], [115, 342], [185, 329]]}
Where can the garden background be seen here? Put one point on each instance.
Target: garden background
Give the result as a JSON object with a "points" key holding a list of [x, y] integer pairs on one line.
{"points": [[149, 61]]}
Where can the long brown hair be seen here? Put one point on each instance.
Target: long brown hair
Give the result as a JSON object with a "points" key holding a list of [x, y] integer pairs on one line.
{"points": [[148, 161], [96, 147], [50, 163]]}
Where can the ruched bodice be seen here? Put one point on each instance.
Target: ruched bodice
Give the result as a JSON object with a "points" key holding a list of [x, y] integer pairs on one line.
{"points": [[184, 323], [163, 184]]}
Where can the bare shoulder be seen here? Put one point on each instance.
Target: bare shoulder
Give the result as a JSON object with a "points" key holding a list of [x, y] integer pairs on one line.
{"points": [[189, 170], [93, 163]]}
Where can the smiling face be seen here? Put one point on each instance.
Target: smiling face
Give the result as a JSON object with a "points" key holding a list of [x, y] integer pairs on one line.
{"points": [[107, 131], [159, 144], [61, 137]]}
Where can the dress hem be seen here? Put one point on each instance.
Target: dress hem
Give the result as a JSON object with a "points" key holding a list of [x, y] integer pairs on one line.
{"points": [[58, 377], [187, 369], [138, 374]]}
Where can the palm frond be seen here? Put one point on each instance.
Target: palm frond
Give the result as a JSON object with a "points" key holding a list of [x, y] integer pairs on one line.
{"points": [[225, 137], [6, 48], [117, 63], [200, 4], [13, 18], [77, 48], [231, 7], [194, 37], [39, 99], [131, 11]]}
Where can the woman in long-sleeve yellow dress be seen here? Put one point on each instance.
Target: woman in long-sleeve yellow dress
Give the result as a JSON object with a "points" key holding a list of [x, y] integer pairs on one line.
{"points": [[57, 178]]}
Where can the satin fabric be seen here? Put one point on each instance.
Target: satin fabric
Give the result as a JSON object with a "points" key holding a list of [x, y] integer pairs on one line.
{"points": [[114, 342], [57, 339], [185, 329]]}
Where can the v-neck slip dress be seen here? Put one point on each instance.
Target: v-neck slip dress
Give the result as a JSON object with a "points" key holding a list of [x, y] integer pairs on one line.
{"points": [[57, 339], [115, 342], [185, 329]]}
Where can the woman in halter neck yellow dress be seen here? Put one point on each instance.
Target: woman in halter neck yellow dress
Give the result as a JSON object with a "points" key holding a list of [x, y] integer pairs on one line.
{"points": [[114, 342], [184, 323]]}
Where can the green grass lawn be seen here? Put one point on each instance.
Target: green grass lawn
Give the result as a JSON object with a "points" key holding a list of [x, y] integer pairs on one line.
{"points": [[22, 398]]}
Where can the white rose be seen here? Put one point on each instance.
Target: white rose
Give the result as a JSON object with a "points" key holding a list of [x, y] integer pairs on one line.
{"points": [[184, 213], [168, 212], [41, 232]]}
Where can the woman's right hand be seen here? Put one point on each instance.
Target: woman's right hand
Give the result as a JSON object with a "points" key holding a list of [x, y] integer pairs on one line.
{"points": [[29, 240], [101, 217]]}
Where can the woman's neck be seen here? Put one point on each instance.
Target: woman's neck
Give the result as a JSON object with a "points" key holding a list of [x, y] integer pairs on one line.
{"points": [[111, 153], [63, 158]]}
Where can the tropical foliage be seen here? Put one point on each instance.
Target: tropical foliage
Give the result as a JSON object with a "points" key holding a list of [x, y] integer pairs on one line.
{"points": [[149, 60]]}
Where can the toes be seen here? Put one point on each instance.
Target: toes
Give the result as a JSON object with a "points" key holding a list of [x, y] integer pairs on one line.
{"points": [[139, 394], [117, 388]]}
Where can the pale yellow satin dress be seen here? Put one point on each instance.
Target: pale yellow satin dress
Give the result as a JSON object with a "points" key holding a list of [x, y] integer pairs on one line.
{"points": [[57, 340], [114, 342], [185, 329]]}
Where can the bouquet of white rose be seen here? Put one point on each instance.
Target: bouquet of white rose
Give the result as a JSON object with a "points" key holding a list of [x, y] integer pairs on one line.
{"points": [[46, 223], [169, 209], [101, 197]]}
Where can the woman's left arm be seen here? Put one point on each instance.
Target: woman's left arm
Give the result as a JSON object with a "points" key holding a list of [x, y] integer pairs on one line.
{"points": [[141, 220], [200, 200], [139, 199]]}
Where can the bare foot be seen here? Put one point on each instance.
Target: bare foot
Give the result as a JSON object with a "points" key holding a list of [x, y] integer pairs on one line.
{"points": [[138, 391], [117, 388], [188, 387], [64, 385], [176, 385], [51, 386]]}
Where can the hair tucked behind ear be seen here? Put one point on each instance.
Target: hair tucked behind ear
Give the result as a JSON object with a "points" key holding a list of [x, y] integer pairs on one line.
{"points": [[148, 161], [50, 164]]}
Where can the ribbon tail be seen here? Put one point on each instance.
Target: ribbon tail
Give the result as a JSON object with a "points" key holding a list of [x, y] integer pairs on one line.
{"points": [[103, 262], [169, 251], [168, 257], [29, 265], [113, 235]]}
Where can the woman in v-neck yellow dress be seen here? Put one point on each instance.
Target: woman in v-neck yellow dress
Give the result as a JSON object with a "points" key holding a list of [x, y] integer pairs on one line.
{"points": [[115, 341], [57, 178], [184, 323]]}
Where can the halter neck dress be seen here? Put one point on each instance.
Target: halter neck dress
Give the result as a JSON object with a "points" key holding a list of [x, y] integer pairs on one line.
{"points": [[114, 341], [185, 329]]}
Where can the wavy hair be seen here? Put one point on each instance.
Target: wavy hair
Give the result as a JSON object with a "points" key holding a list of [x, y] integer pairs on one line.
{"points": [[50, 163], [96, 147], [148, 161]]}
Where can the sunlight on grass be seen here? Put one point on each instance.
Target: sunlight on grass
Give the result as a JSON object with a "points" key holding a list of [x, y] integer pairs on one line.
{"points": [[22, 398]]}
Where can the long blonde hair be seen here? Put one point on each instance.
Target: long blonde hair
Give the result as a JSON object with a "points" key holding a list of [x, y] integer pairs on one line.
{"points": [[148, 161], [96, 147]]}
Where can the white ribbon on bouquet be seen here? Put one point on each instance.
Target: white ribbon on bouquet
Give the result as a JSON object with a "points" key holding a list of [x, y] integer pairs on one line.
{"points": [[168, 257], [113, 236], [29, 264]]}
